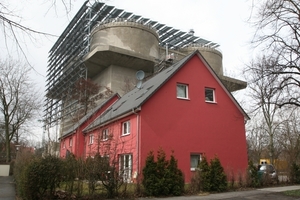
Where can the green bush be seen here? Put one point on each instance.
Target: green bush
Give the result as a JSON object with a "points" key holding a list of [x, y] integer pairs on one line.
{"points": [[204, 175], [70, 164], [42, 176], [162, 177], [218, 179], [21, 164], [253, 177], [210, 177], [149, 175], [295, 173]]}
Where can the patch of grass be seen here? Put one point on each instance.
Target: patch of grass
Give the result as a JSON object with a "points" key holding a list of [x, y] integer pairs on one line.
{"points": [[294, 193]]}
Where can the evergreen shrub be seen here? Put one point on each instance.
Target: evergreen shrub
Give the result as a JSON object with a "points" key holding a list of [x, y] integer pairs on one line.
{"points": [[253, 177], [162, 177], [295, 173], [212, 177]]}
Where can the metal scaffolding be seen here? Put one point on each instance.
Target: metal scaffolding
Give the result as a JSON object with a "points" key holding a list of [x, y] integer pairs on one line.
{"points": [[66, 66]]}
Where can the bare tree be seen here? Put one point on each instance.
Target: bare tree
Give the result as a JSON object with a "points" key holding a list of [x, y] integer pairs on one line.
{"points": [[264, 97], [256, 141], [16, 33], [19, 102], [290, 136], [278, 23]]}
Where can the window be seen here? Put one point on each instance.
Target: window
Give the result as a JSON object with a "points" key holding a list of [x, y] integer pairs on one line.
{"points": [[209, 95], [70, 142], [104, 135], [182, 91], [64, 144], [195, 160], [91, 138], [126, 167], [126, 128]]}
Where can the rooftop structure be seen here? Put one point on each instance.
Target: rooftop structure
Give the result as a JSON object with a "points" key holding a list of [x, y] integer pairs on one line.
{"points": [[108, 45]]}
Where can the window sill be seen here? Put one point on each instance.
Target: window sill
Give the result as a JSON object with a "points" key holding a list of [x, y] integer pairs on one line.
{"points": [[211, 102], [125, 134], [187, 99]]}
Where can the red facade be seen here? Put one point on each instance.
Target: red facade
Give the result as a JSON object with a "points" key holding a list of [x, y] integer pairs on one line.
{"points": [[74, 142], [190, 114]]}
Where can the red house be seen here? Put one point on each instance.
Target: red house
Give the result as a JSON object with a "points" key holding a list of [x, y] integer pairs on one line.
{"points": [[184, 108], [73, 140]]}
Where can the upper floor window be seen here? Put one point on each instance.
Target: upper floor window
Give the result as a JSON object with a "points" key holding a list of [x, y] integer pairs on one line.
{"points": [[182, 91], [70, 142], [104, 135], [210, 95], [91, 138], [126, 128]]}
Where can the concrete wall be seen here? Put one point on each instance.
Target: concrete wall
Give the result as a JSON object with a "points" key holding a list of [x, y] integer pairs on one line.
{"points": [[119, 79], [131, 36], [4, 170]]}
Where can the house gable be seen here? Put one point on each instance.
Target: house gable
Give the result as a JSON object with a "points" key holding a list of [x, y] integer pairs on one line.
{"points": [[188, 126], [193, 125], [138, 96]]}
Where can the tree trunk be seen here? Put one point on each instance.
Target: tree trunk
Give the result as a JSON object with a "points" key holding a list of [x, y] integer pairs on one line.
{"points": [[7, 146]]}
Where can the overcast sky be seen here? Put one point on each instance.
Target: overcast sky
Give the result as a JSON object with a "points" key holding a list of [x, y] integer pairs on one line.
{"points": [[220, 21], [223, 22]]}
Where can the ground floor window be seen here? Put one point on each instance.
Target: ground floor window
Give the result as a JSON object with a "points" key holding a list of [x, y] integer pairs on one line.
{"points": [[195, 161], [126, 167]]}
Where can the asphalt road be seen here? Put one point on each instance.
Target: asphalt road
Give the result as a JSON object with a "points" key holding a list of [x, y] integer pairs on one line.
{"points": [[274, 193], [7, 188]]}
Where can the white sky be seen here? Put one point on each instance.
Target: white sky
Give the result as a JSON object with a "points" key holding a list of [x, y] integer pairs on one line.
{"points": [[220, 21]]}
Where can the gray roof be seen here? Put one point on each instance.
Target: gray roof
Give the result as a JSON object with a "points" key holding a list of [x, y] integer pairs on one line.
{"points": [[87, 116], [136, 97]]}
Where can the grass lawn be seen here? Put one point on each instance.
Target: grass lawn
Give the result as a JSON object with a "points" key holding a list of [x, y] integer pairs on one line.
{"points": [[295, 193]]}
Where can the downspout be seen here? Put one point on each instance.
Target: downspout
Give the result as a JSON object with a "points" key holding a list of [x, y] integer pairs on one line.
{"points": [[137, 138]]}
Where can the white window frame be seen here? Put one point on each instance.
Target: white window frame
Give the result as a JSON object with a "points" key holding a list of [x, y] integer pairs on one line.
{"points": [[185, 91], [126, 128], [64, 144], [91, 138], [70, 142], [125, 167], [104, 134], [207, 98], [195, 159]]}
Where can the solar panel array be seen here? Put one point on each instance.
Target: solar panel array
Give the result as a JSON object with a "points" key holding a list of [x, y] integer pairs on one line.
{"points": [[65, 64]]}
